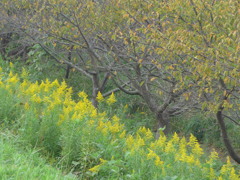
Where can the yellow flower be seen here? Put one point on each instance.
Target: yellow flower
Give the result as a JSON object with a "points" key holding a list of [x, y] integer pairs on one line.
{"points": [[115, 128], [13, 79], [212, 174], [91, 122], [11, 65], [123, 134], [169, 147], [111, 99], [103, 161], [212, 157], [142, 130], [100, 97], [140, 142], [149, 134], [192, 141], [115, 119], [26, 106], [197, 149], [158, 161], [130, 141], [159, 143], [175, 138], [233, 175], [151, 154], [24, 73], [95, 169], [36, 99], [82, 94]]}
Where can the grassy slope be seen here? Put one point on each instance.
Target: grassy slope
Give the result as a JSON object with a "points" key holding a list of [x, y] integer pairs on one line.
{"points": [[17, 163]]}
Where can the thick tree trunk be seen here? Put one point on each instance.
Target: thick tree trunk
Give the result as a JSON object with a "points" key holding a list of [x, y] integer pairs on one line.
{"points": [[162, 121], [226, 140]]}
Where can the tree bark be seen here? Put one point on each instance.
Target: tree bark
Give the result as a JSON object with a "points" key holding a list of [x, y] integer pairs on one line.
{"points": [[95, 83], [226, 140], [162, 121]]}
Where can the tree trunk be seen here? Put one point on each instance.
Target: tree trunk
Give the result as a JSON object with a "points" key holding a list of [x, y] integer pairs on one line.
{"points": [[226, 140], [95, 90], [162, 121]]}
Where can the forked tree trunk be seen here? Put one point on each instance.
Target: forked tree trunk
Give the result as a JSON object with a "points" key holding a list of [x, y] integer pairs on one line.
{"points": [[226, 140]]}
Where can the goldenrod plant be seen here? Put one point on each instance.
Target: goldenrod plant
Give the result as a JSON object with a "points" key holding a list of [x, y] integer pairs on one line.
{"points": [[86, 141]]}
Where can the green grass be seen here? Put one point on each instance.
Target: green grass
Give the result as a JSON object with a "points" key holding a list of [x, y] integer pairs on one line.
{"points": [[20, 163]]}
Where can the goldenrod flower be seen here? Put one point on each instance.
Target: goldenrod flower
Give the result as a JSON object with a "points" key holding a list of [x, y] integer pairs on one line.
{"points": [[149, 134], [233, 175], [95, 169], [100, 97], [130, 141], [26, 105], [212, 157], [175, 138], [111, 99], [82, 94], [151, 154], [212, 174], [123, 134], [115, 118], [158, 161]]}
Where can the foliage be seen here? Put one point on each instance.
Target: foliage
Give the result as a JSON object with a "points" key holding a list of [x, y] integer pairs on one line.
{"points": [[19, 163], [96, 145]]}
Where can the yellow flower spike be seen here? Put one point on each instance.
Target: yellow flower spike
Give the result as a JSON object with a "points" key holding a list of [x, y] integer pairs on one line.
{"points": [[103, 161], [197, 162], [169, 147], [175, 138], [24, 73], [123, 134], [100, 97], [11, 65], [95, 169], [229, 164], [26, 106], [159, 143], [36, 99], [130, 141], [224, 169], [55, 83], [114, 128], [197, 149], [211, 174], [149, 134], [140, 142], [192, 140], [233, 175], [151, 154], [94, 113], [190, 159], [111, 99], [212, 157], [115, 118], [82, 94], [142, 130], [91, 122], [14, 79], [158, 161]]}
